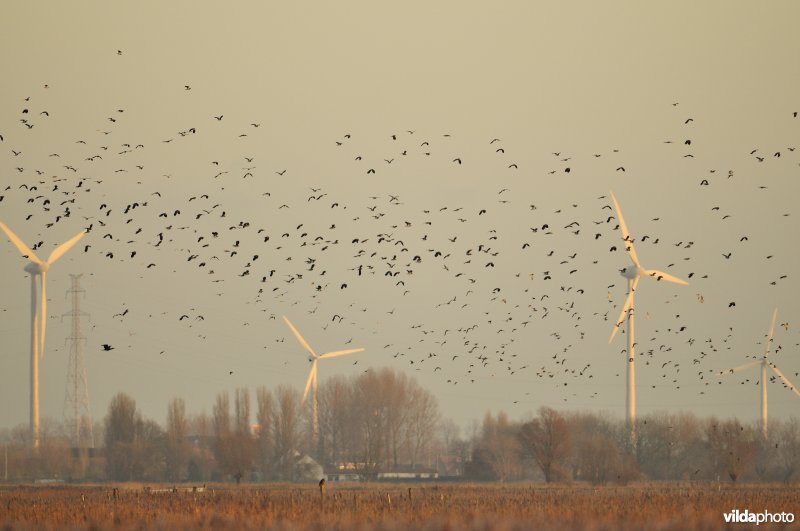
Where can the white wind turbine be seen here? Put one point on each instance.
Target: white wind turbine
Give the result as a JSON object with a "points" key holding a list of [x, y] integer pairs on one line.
{"points": [[764, 364], [633, 273], [38, 268], [312, 375]]}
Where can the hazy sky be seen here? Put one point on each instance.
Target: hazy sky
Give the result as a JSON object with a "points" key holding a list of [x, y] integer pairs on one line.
{"points": [[588, 87]]}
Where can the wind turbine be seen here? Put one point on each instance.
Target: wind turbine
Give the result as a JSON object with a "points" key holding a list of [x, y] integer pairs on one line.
{"points": [[764, 364], [38, 268], [633, 273], [312, 375]]}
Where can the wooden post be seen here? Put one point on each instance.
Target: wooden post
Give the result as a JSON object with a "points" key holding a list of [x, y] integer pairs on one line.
{"points": [[322, 494]]}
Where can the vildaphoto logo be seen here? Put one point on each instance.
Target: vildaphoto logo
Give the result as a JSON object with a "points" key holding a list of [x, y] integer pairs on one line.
{"points": [[746, 517]]}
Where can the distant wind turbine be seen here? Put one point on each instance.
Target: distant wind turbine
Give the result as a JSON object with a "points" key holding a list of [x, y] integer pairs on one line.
{"points": [[633, 273], [38, 268], [764, 364], [312, 375]]}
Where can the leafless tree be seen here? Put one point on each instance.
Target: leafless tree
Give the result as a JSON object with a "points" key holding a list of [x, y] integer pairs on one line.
{"points": [[177, 445], [731, 447], [601, 451], [500, 447], [120, 434], [371, 408], [242, 442], [134, 446], [336, 421], [423, 418], [393, 399], [286, 429], [235, 447], [787, 446], [201, 462], [547, 440], [265, 437]]}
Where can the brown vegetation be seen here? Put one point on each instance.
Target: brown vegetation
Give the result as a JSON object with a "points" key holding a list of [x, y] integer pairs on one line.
{"points": [[648, 506]]}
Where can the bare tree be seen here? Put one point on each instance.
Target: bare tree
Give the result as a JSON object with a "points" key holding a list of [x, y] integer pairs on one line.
{"points": [[235, 447], [202, 461], [731, 447], [422, 419], [393, 399], [547, 440], [599, 449], [265, 438], [451, 436], [336, 422], [177, 445], [787, 444], [242, 443], [286, 429], [120, 434], [134, 447], [54, 457], [371, 410], [223, 431], [149, 451], [499, 447], [599, 458]]}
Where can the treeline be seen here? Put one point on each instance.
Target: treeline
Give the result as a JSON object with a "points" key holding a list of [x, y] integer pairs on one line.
{"points": [[592, 447], [383, 420], [371, 422]]}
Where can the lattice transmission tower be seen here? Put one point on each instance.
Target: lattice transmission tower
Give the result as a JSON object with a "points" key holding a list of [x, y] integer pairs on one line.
{"points": [[77, 417]]}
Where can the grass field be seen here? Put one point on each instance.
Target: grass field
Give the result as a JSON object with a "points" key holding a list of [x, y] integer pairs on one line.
{"points": [[389, 507]]}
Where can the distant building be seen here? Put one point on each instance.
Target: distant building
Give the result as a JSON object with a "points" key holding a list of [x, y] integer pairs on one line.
{"points": [[357, 472], [407, 473], [340, 474]]}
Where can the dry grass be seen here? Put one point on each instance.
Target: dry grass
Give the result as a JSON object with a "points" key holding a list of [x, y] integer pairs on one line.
{"points": [[390, 507]]}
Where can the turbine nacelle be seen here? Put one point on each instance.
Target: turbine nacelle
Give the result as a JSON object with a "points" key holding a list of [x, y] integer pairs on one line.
{"points": [[632, 271], [35, 269]]}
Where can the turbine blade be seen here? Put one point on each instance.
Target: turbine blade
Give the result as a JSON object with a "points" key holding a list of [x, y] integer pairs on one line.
{"points": [[625, 308], [785, 379], [59, 251], [315, 381], [340, 353], [23, 249], [740, 367], [771, 332], [299, 337], [660, 275], [43, 308], [308, 382], [626, 236]]}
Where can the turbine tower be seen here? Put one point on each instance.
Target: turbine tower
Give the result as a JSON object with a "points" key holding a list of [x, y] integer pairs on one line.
{"points": [[312, 375], [76, 398], [633, 273], [764, 364], [38, 269]]}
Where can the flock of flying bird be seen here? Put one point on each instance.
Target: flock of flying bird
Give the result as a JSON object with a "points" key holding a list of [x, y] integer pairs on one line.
{"points": [[463, 294]]}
